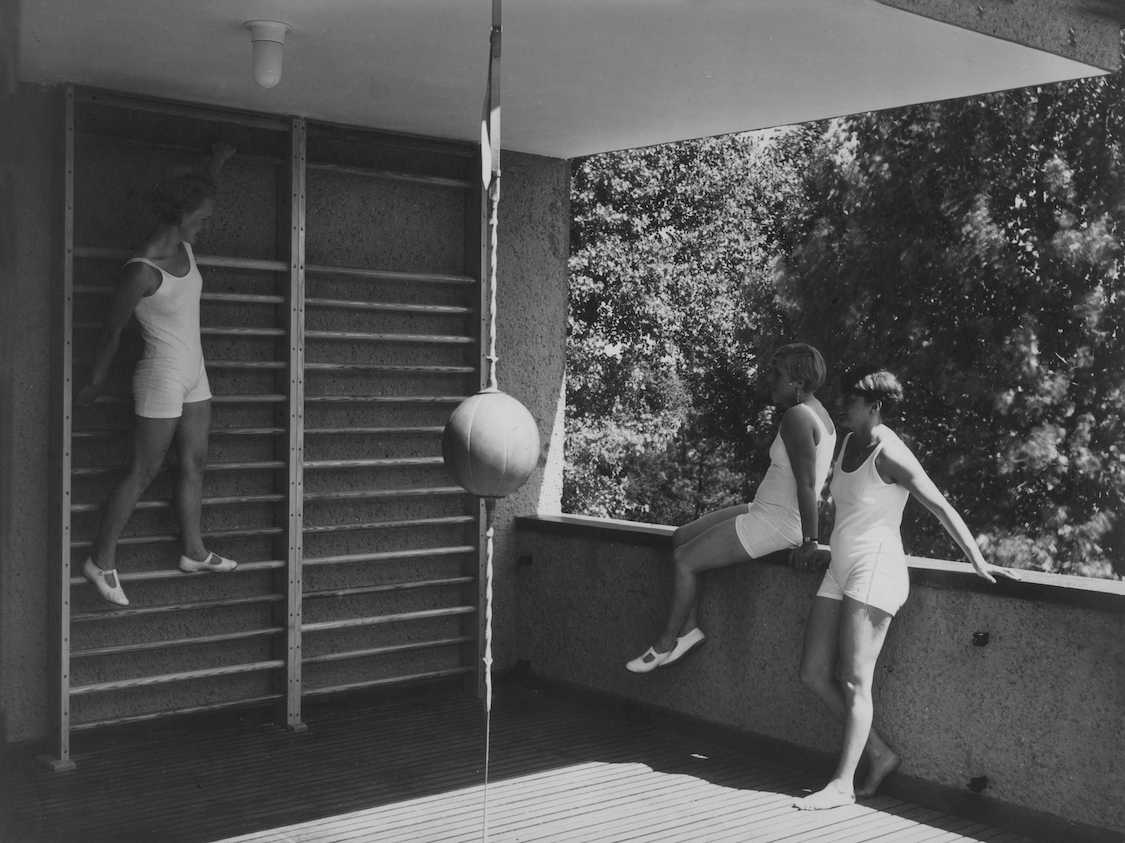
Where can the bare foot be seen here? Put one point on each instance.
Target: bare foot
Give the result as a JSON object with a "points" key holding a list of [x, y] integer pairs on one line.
{"points": [[880, 767], [835, 795]]}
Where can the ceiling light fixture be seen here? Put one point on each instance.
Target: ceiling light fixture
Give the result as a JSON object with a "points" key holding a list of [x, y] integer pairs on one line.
{"points": [[268, 36]]}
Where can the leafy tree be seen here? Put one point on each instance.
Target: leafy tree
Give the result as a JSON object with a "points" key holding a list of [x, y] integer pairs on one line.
{"points": [[974, 246], [667, 244]]}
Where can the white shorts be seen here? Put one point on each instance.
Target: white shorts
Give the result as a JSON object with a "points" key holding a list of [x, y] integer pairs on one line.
{"points": [[875, 577], [161, 387], [761, 534]]}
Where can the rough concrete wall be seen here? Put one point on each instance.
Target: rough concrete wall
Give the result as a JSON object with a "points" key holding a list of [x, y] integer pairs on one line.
{"points": [[534, 242], [27, 328], [1037, 711]]}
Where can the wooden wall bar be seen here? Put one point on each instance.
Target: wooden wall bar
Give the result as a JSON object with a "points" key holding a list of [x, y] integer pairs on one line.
{"points": [[341, 326]]}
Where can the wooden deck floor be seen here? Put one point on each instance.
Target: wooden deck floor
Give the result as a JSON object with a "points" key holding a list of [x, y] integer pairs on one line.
{"points": [[410, 769]]}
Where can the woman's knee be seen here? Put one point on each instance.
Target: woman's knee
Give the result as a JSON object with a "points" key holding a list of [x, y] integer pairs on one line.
{"points": [[193, 464]]}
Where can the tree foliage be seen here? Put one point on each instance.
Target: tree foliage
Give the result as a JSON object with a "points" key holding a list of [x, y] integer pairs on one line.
{"points": [[974, 246]]}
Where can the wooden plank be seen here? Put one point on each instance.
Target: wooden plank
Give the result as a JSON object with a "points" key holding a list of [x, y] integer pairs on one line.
{"points": [[409, 770]]}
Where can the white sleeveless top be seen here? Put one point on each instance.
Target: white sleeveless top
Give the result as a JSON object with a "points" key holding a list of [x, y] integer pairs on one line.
{"points": [[868, 509], [777, 493], [170, 317]]}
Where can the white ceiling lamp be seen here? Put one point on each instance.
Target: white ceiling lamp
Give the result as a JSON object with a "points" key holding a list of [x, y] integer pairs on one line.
{"points": [[268, 37]]}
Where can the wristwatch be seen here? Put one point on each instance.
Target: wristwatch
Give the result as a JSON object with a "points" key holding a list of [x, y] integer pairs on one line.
{"points": [[808, 539]]}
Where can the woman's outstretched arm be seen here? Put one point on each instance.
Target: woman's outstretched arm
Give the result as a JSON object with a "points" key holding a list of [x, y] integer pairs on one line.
{"points": [[897, 463]]}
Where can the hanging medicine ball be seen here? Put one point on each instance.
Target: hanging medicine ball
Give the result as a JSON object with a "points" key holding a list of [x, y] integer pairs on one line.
{"points": [[490, 444]]}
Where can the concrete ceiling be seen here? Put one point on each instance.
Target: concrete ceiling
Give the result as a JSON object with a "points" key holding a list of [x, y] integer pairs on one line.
{"points": [[578, 76]]}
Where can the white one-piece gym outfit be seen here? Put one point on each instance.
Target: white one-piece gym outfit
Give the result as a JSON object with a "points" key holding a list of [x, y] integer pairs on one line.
{"points": [[171, 372], [772, 521], [868, 562]]}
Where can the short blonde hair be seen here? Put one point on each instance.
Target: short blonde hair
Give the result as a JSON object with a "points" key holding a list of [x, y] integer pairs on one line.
{"points": [[804, 363]]}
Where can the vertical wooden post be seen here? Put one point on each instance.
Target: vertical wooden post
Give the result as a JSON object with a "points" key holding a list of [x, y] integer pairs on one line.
{"points": [[296, 395], [61, 423]]}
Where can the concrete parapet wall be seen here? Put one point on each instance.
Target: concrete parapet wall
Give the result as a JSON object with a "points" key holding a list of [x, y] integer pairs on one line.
{"points": [[1039, 710]]}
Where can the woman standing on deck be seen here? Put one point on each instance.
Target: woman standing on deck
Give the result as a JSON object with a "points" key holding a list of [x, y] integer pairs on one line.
{"points": [[782, 515], [866, 583], [172, 399]]}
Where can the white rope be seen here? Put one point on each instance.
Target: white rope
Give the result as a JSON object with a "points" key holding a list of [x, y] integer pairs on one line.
{"points": [[491, 134]]}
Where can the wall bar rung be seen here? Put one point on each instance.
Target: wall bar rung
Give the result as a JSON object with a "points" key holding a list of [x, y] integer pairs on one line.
{"points": [[264, 465], [385, 651], [391, 275], [161, 539], [245, 364], [387, 587], [390, 525], [393, 462], [185, 676], [169, 608], [432, 181], [392, 367], [125, 398], [154, 106], [122, 255], [385, 399], [232, 298], [176, 573], [372, 431], [165, 503], [367, 494], [400, 617], [349, 304], [391, 680], [116, 432], [388, 555], [144, 646], [358, 336], [176, 712]]}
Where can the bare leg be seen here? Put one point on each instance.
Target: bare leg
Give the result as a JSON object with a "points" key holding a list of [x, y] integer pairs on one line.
{"points": [[692, 531], [716, 547], [191, 454], [856, 632], [151, 438]]}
